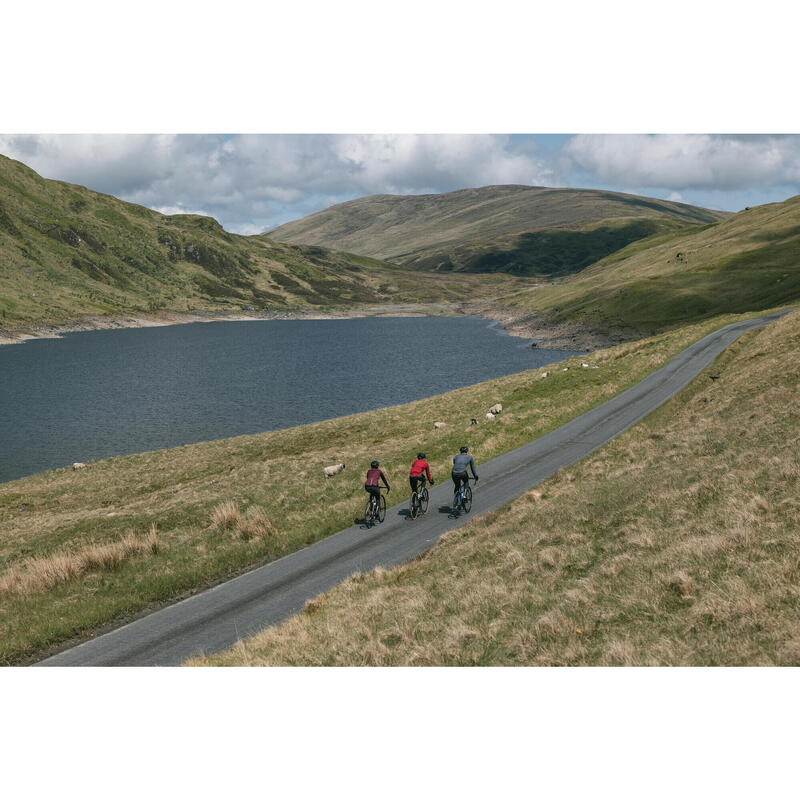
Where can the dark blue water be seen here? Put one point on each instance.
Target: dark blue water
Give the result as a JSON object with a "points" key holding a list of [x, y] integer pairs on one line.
{"points": [[98, 394]]}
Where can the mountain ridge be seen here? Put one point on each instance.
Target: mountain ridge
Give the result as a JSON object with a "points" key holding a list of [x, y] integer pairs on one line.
{"points": [[483, 229]]}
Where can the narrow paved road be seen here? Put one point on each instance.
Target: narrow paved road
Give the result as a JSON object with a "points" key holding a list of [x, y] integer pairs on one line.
{"points": [[215, 619]]}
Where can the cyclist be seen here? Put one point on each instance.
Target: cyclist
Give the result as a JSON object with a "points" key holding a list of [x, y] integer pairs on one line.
{"points": [[461, 463], [416, 477], [374, 476]]}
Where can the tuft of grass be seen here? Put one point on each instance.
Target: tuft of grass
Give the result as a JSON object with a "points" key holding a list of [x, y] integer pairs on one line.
{"points": [[226, 516], [37, 575]]}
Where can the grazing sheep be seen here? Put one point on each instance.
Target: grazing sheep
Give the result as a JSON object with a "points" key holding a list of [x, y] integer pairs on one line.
{"points": [[334, 469], [437, 425], [544, 375], [489, 415], [496, 409], [79, 465], [473, 421], [566, 369]]}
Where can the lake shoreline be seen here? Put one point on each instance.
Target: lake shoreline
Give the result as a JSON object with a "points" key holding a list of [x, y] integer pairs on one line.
{"points": [[162, 319], [561, 336]]}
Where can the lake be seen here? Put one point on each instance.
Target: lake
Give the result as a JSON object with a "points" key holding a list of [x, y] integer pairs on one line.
{"points": [[97, 394]]}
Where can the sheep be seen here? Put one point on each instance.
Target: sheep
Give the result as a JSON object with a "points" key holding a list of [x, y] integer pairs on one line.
{"points": [[473, 421], [543, 375], [496, 409], [334, 469], [437, 425], [489, 415], [79, 465], [588, 366]]}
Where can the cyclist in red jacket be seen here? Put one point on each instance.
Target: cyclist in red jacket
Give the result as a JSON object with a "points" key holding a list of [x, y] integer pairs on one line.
{"points": [[416, 475], [374, 477]]}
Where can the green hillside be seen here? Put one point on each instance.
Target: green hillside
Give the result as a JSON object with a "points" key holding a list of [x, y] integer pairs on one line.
{"points": [[747, 262], [523, 230], [67, 252]]}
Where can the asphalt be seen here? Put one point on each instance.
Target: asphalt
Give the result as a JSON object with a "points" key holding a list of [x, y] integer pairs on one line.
{"points": [[217, 618]]}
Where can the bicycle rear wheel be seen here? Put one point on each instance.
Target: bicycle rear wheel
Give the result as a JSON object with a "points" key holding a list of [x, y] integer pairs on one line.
{"points": [[467, 501], [413, 506], [382, 509], [368, 513], [423, 501]]}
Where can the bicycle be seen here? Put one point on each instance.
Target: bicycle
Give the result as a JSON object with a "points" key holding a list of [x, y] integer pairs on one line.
{"points": [[419, 499], [375, 509], [462, 500]]}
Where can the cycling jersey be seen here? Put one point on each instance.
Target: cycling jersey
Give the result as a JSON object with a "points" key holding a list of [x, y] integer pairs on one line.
{"points": [[462, 462], [420, 466], [373, 476]]}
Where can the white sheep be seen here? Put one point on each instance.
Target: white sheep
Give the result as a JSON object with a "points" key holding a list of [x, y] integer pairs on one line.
{"points": [[544, 375], [79, 465], [334, 469], [437, 425], [489, 415], [496, 409]]}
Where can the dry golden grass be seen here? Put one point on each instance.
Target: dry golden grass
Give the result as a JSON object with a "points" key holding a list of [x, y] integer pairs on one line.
{"points": [[678, 543], [40, 574]]}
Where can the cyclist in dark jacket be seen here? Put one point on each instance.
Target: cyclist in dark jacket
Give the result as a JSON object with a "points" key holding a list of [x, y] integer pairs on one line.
{"points": [[461, 463], [374, 476]]}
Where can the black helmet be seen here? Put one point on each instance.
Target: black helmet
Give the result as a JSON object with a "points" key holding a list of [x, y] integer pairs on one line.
{"points": [[420, 455], [374, 465], [465, 449]]}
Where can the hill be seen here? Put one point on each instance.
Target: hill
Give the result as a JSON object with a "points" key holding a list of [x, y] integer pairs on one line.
{"points": [[67, 252], [675, 544], [747, 262], [523, 230]]}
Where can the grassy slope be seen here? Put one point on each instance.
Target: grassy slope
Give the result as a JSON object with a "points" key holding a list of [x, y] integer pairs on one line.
{"points": [[67, 252], [677, 543], [54, 584], [518, 229], [750, 261]]}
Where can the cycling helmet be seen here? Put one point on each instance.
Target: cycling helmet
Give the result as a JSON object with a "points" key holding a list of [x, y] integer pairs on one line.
{"points": [[465, 449], [374, 465], [420, 455]]}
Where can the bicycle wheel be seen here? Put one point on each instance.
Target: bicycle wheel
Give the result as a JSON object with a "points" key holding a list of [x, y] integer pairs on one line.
{"points": [[368, 513], [413, 506], [423, 501], [467, 501], [382, 509]]}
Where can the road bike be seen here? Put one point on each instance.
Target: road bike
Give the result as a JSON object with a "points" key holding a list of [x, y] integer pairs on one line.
{"points": [[462, 499], [375, 510], [419, 499]]}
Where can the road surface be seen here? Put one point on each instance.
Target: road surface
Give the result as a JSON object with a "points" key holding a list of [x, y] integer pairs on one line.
{"points": [[217, 618]]}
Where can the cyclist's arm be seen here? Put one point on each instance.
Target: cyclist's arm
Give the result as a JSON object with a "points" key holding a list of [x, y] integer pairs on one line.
{"points": [[428, 470], [472, 467], [383, 477]]}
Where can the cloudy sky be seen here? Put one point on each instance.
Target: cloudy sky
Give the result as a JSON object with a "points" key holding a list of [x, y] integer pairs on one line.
{"points": [[252, 183]]}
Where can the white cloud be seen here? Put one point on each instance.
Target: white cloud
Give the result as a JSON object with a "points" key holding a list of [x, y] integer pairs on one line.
{"points": [[256, 182], [676, 197], [677, 161], [250, 181]]}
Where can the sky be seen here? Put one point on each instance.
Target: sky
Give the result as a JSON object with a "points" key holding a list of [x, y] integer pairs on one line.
{"points": [[254, 182]]}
